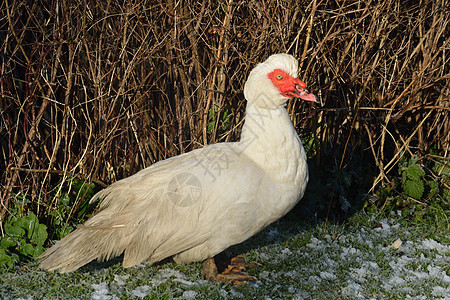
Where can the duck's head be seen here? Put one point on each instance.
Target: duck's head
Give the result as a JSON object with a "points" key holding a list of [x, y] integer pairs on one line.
{"points": [[272, 83]]}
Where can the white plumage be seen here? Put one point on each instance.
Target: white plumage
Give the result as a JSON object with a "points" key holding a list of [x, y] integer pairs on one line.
{"points": [[195, 205]]}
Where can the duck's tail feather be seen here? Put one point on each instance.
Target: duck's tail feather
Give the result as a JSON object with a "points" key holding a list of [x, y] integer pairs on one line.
{"points": [[81, 247]]}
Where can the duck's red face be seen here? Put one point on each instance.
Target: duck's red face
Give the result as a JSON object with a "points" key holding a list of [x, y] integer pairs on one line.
{"points": [[290, 86]]}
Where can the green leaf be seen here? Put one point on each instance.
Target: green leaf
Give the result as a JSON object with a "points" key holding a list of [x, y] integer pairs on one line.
{"points": [[63, 231], [225, 120], [7, 242], [15, 229], [6, 261], [415, 172], [434, 188], [210, 127], [413, 188], [29, 223], [64, 200], [36, 233], [38, 250], [404, 176], [211, 114], [26, 249], [39, 235]]}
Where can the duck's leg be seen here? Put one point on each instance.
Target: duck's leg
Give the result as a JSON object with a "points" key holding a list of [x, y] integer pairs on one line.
{"points": [[233, 273]]}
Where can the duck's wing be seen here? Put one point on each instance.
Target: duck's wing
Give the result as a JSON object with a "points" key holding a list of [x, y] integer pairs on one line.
{"points": [[162, 210]]}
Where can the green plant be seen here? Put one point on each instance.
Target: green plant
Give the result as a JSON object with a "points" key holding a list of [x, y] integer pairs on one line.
{"points": [[73, 207], [420, 191], [213, 114], [412, 178], [442, 169], [24, 238]]}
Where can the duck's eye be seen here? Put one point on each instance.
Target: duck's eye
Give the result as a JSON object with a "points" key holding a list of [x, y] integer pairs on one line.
{"points": [[279, 76]]}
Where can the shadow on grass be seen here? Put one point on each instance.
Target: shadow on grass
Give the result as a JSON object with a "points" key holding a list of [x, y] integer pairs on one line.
{"points": [[281, 230]]}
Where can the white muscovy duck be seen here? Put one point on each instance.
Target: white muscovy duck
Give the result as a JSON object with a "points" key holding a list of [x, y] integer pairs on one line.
{"points": [[195, 205]]}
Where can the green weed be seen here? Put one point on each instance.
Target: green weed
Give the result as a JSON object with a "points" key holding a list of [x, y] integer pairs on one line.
{"points": [[23, 240]]}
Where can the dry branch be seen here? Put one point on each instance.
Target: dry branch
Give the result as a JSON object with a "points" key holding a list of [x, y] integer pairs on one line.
{"points": [[99, 90]]}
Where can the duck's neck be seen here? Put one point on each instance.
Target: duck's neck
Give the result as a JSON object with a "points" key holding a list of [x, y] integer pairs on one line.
{"points": [[269, 138], [271, 142]]}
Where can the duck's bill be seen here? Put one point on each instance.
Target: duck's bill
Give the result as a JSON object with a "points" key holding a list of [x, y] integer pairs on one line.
{"points": [[303, 94]]}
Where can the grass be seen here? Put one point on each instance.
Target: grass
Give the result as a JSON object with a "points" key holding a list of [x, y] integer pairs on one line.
{"points": [[308, 260]]}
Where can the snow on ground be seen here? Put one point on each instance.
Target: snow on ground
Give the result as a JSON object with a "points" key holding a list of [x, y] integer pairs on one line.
{"points": [[412, 269], [364, 264], [297, 262]]}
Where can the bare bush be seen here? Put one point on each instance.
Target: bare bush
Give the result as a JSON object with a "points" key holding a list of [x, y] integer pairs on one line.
{"points": [[100, 89]]}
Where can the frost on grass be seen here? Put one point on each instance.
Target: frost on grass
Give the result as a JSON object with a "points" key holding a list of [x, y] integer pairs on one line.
{"points": [[190, 294], [121, 279], [297, 262], [360, 264], [101, 292], [141, 291], [163, 276], [104, 290]]}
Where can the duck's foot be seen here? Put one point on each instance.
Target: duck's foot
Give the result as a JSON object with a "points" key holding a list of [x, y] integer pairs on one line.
{"points": [[233, 272]]}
